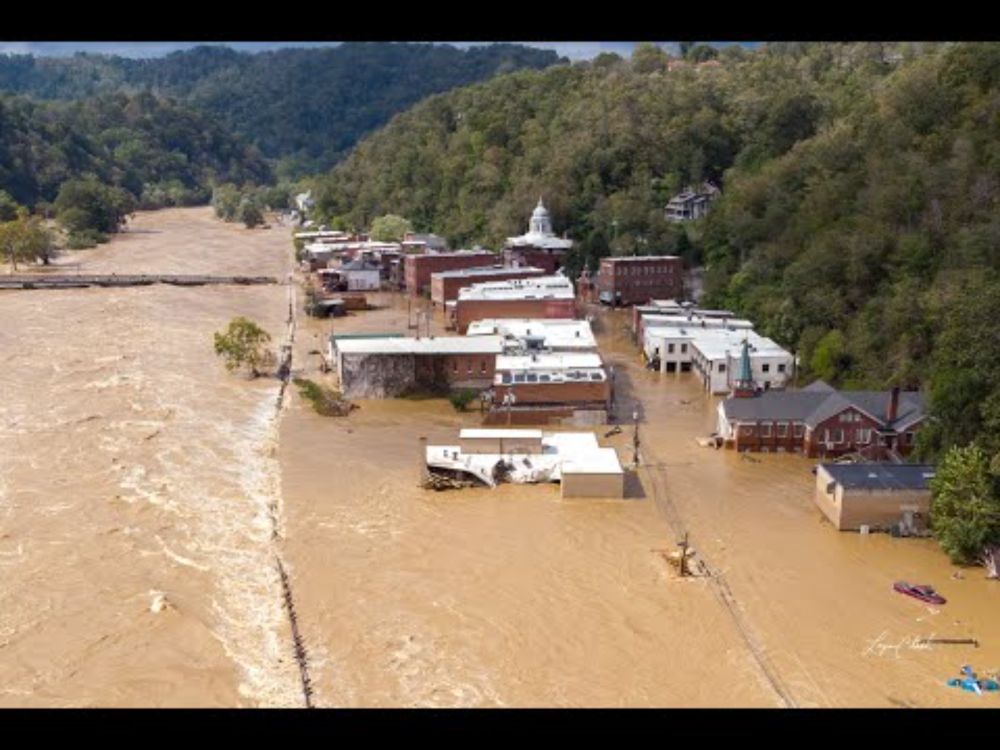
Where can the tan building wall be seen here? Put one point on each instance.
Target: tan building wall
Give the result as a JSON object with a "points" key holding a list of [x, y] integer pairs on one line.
{"points": [[593, 485], [849, 509]]}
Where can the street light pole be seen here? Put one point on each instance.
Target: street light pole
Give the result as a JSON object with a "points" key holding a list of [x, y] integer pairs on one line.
{"points": [[635, 437]]}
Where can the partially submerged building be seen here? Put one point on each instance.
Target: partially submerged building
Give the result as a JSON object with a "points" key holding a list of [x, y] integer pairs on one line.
{"points": [[533, 335], [638, 279], [821, 421], [539, 297], [877, 495], [723, 353], [543, 388], [574, 459], [539, 247], [391, 366], [445, 285]]}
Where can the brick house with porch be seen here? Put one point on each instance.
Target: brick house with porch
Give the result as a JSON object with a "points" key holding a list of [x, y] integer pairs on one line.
{"points": [[819, 421]]}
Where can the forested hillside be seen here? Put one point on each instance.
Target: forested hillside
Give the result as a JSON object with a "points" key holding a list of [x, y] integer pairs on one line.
{"points": [[303, 107], [859, 223], [161, 153]]}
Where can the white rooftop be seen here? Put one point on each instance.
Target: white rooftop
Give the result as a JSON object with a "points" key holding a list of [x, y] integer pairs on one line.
{"points": [[432, 345], [598, 461], [719, 343], [539, 287], [693, 321], [488, 270], [472, 433], [579, 452], [558, 333], [549, 361]]}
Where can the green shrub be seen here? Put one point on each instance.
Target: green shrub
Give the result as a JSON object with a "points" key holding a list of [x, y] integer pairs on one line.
{"points": [[85, 238], [325, 401], [461, 399]]}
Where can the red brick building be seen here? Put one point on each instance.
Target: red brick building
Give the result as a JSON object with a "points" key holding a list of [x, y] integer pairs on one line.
{"points": [[549, 387], [819, 421], [541, 297], [638, 279], [445, 285], [418, 268]]}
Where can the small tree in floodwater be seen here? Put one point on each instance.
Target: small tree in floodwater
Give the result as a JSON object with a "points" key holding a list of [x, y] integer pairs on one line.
{"points": [[244, 344]]}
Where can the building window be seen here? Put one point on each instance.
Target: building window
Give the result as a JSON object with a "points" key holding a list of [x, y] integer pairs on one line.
{"points": [[908, 438], [470, 366], [782, 429], [684, 348], [482, 366], [765, 430], [722, 367], [765, 368], [864, 436], [747, 430], [781, 368], [838, 436], [454, 366], [799, 430]]}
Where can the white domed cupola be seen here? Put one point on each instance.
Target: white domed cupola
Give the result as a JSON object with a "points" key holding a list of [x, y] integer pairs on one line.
{"points": [[541, 222]]}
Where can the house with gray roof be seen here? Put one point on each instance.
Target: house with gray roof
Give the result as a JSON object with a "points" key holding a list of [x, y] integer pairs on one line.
{"points": [[875, 495], [821, 421]]}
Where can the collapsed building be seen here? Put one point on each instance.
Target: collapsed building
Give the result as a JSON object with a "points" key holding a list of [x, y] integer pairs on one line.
{"points": [[492, 456]]}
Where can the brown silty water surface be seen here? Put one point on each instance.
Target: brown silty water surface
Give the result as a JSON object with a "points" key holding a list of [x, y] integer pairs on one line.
{"points": [[133, 466]]}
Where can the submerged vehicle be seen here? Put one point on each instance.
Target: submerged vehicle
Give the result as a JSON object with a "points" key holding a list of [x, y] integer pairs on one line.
{"points": [[969, 681], [923, 593]]}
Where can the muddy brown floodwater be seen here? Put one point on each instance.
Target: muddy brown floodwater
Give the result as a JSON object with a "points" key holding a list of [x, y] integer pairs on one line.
{"points": [[146, 495]]}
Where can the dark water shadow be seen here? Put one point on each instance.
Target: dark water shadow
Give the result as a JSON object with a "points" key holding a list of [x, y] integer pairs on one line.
{"points": [[633, 486]]}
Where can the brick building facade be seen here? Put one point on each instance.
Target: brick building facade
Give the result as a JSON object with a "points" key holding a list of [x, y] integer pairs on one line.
{"points": [[819, 421], [418, 268], [446, 284], [636, 280]]}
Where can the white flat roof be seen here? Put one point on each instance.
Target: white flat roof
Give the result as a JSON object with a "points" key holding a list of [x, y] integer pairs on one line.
{"points": [[487, 270], [558, 333], [549, 361], [433, 345], [534, 239], [655, 320], [472, 433], [718, 343], [537, 287], [596, 461]]}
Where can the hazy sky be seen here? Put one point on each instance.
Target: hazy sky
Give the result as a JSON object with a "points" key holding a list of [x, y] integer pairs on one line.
{"points": [[572, 50]]}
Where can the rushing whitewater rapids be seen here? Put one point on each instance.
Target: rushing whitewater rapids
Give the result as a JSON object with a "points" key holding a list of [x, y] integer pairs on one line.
{"points": [[141, 486]]}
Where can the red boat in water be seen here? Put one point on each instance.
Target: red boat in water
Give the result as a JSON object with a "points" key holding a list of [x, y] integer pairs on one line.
{"points": [[923, 593]]}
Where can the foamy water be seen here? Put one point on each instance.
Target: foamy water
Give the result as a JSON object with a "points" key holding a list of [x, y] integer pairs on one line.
{"points": [[140, 483]]}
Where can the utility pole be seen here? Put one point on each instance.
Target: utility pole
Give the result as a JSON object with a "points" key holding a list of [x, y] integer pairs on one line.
{"points": [[684, 553], [635, 438]]}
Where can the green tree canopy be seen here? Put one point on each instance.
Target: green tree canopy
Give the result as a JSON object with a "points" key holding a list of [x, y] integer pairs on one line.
{"points": [[390, 228], [965, 504], [25, 239], [87, 204], [244, 344]]}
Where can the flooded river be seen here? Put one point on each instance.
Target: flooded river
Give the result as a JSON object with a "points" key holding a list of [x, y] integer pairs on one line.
{"points": [[141, 486]]}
